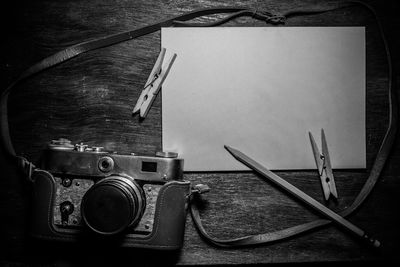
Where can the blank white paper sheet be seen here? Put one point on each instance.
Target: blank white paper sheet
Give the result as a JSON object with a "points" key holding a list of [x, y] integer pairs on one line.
{"points": [[261, 90]]}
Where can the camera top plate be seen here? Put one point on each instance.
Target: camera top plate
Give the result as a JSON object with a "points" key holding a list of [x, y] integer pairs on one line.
{"points": [[62, 158]]}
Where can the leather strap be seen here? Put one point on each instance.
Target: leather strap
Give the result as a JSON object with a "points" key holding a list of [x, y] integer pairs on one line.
{"points": [[376, 170], [181, 20]]}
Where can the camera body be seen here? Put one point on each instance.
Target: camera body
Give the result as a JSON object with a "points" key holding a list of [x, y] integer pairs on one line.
{"points": [[85, 194]]}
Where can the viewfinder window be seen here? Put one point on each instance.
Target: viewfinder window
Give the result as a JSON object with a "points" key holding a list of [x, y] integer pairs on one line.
{"points": [[149, 166]]}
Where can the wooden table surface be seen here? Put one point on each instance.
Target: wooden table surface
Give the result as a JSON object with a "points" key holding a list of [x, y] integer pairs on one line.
{"points": [[90, 99]]}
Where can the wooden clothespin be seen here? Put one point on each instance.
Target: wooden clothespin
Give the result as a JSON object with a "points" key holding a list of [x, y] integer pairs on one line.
{"points": [[153, 84], [324, 166]]}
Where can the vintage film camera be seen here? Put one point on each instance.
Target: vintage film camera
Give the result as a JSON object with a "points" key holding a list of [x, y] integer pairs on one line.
{"points": [[83, 193]]}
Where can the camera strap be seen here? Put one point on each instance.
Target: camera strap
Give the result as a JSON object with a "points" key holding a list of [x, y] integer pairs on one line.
{"points": [[183, 21]]}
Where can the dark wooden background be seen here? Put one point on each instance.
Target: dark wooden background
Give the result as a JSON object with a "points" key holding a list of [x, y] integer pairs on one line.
{"points": [[90, 99]]}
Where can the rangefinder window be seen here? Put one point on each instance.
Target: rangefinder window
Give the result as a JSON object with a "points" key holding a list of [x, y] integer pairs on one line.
{"points": [[148, 166]]}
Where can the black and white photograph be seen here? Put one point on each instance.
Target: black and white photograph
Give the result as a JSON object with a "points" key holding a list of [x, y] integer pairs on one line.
{"points": [[199, 133]]}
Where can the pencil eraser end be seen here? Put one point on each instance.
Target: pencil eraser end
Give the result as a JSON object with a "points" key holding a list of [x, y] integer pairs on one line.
{"points": [[376, 244]]}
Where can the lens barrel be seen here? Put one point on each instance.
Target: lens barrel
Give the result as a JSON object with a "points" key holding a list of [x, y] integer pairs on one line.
{"points": [[112, 205]]}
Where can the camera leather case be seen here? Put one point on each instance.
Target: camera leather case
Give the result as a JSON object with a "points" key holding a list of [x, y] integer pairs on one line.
{"points": [[87, 195]]}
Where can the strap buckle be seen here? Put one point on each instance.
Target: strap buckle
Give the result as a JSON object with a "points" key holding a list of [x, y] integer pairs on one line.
{"points": [[200, 189], [26, 167]]}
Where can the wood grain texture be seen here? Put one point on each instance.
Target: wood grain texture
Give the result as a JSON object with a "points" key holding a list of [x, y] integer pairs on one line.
{"points": [[90, 99]]}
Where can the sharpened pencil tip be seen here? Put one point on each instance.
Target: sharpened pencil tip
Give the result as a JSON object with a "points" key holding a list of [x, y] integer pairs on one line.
{"points": [[230, 149]]}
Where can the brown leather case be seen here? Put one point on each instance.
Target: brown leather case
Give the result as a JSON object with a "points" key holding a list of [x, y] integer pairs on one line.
{"points": [[168, 228]]}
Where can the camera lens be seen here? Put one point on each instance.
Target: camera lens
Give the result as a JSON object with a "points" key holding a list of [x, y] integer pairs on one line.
{"points": [[112, 205]]}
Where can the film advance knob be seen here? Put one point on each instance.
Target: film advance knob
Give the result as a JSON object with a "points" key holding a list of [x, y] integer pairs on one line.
{"points": [[60, 144]]}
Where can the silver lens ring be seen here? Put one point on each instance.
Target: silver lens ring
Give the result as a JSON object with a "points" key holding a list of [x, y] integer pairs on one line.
{"points": [[112, 205]]}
